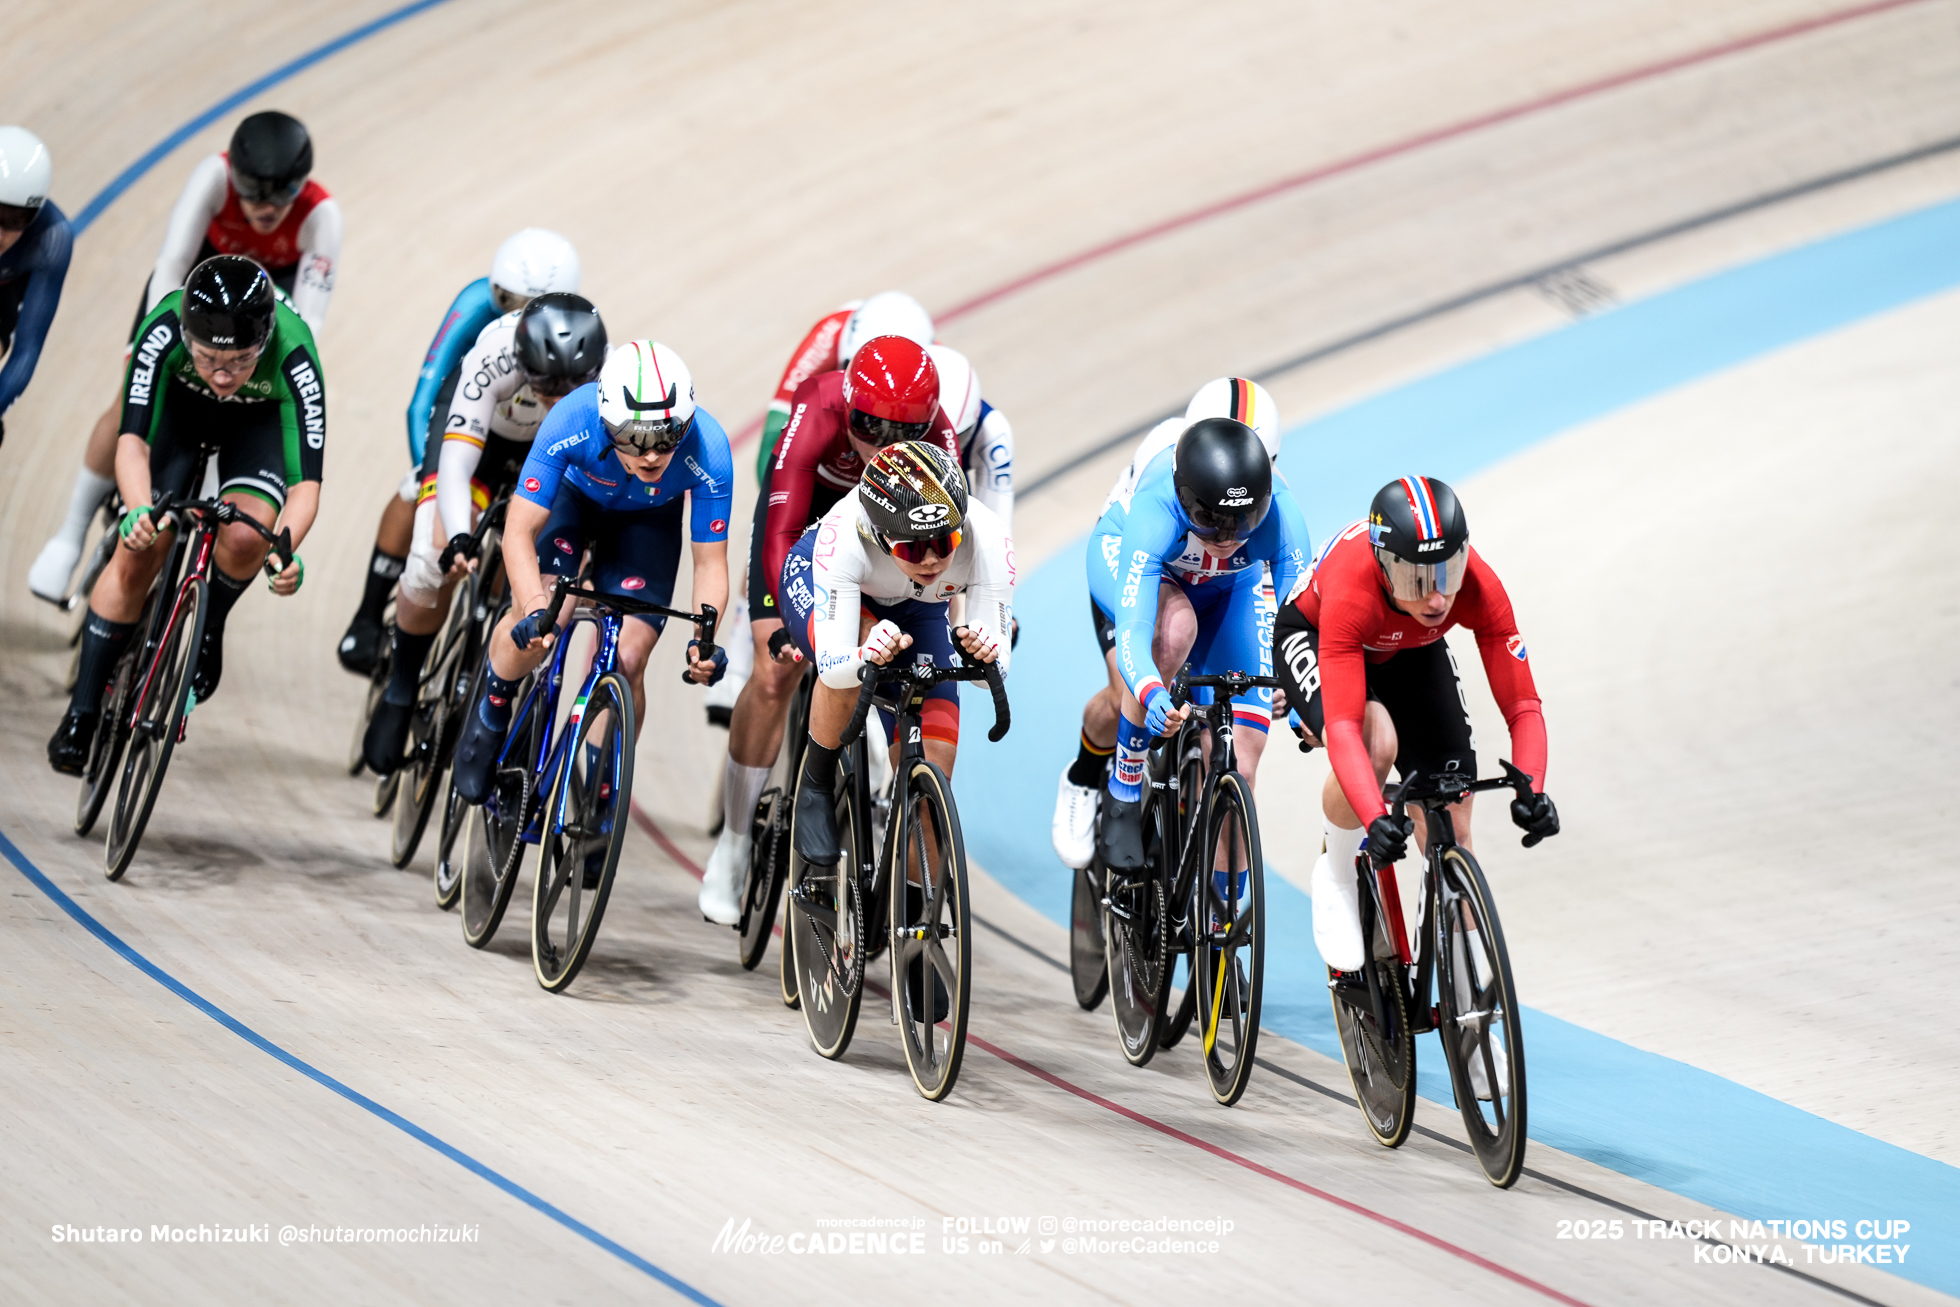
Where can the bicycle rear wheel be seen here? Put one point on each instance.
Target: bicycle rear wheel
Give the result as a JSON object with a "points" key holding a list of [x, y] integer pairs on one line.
{"points": [[1477, 998], [932, 954], [827, 925], [430, 734], [377, 683], [112, 732], [158, 717], [493, 843], [1229, 964], [449, 839], [584, 828], [1088, 963], [762, 890], [1371, 1014]]}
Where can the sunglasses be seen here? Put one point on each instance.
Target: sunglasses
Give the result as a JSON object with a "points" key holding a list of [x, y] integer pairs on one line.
{"points": [[883, 431], [917, 551], [18, 217]]}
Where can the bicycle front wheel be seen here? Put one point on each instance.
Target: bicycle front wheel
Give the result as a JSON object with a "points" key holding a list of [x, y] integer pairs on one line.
{"points": [[1088, 965], [1229, 963], [932, 954], [1371, 1014], [158, 716], [377, 684], [493, 836], [1477, 998], [584, 828], [827, 926], [449, 862], [1180, 1006]]}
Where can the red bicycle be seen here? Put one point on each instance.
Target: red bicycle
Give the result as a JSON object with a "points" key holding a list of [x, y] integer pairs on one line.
{"points": [[151, 693]]}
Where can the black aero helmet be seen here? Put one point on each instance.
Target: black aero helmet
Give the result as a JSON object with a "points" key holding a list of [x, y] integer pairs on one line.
{"points": [[1224, 479], [560, 345], [270, 157], [228, 303], [1420, 537], [911, 491]]}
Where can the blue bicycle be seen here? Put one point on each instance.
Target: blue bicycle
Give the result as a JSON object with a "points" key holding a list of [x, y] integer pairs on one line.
{"points": [[564, 787]]}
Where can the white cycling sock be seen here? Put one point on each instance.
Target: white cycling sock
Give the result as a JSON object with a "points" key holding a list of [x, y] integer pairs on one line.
{"points": [[1343, 846], [89, 489], [740, 787]]}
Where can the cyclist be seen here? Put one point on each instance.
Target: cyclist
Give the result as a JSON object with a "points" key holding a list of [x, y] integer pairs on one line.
{"points": [[827, 347], [611, 469], [530, 263], [840, 420], [221, 365], [35, 241], [986, 438], [1074, 830], [872, 578], [255, 199], [1361, 654], [523, 363], [1179, 577]]}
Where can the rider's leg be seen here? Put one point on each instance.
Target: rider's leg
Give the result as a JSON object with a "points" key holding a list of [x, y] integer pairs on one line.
{"points": [[1073, 831], [394, 539], [55, 565], [755, 733], [236, 559], [421, 606], [1170, 645]]}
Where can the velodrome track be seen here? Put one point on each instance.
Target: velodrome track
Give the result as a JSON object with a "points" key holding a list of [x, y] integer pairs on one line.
{"points": [[1749, 693]]}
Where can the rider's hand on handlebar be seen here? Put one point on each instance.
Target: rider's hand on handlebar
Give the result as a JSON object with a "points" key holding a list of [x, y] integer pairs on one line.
{"points": [[1159, 717], [884, 641], [138, 531], [783, 649], [538, 625], [1536, 817], [287, 581], [461, 554], [981, 644], [1388, 838], [705, 672]]}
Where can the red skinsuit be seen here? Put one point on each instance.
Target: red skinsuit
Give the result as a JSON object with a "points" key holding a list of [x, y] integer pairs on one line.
{"points": [[816, 447], [1348, 602], [229, 233]]}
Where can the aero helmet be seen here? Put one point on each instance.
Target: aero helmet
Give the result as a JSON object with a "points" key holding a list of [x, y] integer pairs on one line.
{"points": [[531, 263], [270, 157], [228, 304], [914, 496], [1420, 537], [1242, 400], [959, 389], [888, 313], [25, 175], [560, 344], [1223, 478], [646, 397], [892, 387]]}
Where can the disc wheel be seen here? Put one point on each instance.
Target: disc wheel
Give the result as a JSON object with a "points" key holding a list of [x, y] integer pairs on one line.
{"points": [[1482, 1042], [1088, 965], [584, 828], [827, 926], [762, 888], [1228, 966], [1380, 1051], [493, 843], [931, 938], [161, 701], [111, 733], [377, 683]]}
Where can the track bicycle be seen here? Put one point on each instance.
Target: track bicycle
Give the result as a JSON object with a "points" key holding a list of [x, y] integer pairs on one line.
{"points": [[564, 788], [1380, 1010], [769, 830], [905, 894], [150, 696]]}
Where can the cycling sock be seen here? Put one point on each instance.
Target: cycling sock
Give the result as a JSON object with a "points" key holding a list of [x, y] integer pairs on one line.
{"points": [[1343, 846], [1090, 760], [384, 569], [103, 642], [740, 787], [1132, 744], [89, 489], [225, 591], [820, 767], [497, 697], [405, 672]]}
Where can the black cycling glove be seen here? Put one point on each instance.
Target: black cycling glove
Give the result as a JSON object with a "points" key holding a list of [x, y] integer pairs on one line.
{"points": [[1388, 838], [1536, 817]]}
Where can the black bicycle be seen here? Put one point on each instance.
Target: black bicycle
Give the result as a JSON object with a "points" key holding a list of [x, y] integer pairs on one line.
{"points": [[769, 831], [150, 696], [914, 879], [1380, 1010]]}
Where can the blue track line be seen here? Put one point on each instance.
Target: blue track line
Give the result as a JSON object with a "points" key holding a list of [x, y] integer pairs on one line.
{"points": [[116, 943]]}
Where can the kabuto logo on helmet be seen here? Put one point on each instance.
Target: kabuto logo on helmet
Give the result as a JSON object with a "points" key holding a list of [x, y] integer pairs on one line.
{"points": [[927, 514]]}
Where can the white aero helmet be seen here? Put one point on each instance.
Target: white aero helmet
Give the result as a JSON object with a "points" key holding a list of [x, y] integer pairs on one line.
{"points": [[1241, 400], [534, 262], [888, 313], [646, 397], [25, 173], [959, 389]]}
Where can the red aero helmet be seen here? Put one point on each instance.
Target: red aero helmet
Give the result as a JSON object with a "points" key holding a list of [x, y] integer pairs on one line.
{"points": [[893, 390]]}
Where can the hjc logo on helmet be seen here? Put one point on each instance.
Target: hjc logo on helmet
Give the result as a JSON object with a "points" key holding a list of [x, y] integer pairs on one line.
{"points": [[1431, 546]]}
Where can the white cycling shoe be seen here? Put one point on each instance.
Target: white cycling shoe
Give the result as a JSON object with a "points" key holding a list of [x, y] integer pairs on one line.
{"points": [[53, 568], [1480, 1083], [1336, 917], [721, 886], [1075, 824]]}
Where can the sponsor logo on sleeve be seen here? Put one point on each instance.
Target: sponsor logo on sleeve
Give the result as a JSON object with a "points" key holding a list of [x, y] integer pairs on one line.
{"points": [[1515, 647], [312, 408], [564, 545], [533, 485], [717, 526], [1135, 581], [633, 583], [143, 379]]}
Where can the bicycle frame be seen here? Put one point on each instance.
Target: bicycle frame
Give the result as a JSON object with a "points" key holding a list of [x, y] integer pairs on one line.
{"points": [[1215, 720]]}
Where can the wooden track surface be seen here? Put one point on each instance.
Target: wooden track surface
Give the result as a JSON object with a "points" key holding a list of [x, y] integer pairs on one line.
{"points": [[729, 173]]}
